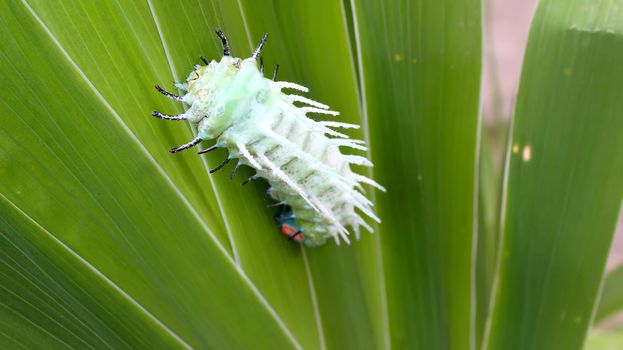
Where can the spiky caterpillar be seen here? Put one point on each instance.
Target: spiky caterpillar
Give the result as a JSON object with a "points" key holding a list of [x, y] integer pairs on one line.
{"points": [[260, 126]]}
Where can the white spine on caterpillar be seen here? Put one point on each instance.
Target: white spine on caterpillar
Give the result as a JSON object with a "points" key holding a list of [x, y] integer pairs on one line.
{"points": [[231, 101]]}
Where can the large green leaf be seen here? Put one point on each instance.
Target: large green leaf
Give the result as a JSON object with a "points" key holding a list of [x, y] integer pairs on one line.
{"points": [[147, 43], [117, 46], [51, 298], [565, 177], [71, 164], [420, 69], [346, 278], [321, 287], [107, 240]]}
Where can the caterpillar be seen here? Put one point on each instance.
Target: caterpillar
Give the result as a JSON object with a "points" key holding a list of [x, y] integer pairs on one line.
{"points": [[259, 124]]}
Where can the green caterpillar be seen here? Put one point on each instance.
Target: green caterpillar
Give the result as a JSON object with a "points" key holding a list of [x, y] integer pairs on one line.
{"points": [[231, 101]]}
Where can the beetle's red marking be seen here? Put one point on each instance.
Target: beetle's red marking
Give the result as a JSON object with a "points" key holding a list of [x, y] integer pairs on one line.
{"points": [[288, 230], [292, 232]]}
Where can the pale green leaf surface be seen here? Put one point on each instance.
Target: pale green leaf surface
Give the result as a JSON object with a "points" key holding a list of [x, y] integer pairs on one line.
{"points": [[489, 193], [421, 75], [70, 163], [611, 339], [51, 299], [117, 46], [611, 300], [565, 177]]}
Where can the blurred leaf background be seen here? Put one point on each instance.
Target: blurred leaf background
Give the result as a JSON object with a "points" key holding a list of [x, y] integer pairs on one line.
{"points": [[496, 229]]}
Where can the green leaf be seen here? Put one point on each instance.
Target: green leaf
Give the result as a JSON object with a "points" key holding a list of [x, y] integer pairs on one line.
{"points": [[565, 177], [107, 240], [117, 46], [605, 340], [51, 298], [345, 281], [274, 264], [611, 300], [71, 164], [324, 287], [420, 71], [490, 188]]}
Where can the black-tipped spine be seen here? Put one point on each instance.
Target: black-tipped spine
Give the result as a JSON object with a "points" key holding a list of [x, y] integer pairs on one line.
{"points": [[168, 117], [275, 72], [168, 94], [250, 179], [233, 173], [257, 51], [227, 160], [192, 143], [224, 42], [205, 60], [209, 149]]}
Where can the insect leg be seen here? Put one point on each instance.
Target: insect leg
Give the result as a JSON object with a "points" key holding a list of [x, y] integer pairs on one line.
{"points": [[220, 166], [275, 72], [262, 66], [192, 143], [168, 94], [205, 60], [256, 53], [168, 117], [223, 41]]}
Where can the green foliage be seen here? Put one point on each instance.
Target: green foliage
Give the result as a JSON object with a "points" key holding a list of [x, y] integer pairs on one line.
{"points": [[564, 181], [420, 81], [107, 240], [612, 299]]}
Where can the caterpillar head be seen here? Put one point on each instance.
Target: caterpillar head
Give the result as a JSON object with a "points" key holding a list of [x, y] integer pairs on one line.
{"points": [[218, 91]]}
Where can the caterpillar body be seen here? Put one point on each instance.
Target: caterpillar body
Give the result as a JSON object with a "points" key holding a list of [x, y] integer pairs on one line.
{"points": [[261, 127]]}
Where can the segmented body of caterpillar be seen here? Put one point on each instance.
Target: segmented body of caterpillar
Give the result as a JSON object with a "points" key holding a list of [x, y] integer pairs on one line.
{"points": [[231, 101]]}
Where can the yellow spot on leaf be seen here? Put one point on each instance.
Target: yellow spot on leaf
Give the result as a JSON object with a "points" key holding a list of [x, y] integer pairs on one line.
{"points": [[515, 148], [568, 71], [526, 155], [398, 57]]}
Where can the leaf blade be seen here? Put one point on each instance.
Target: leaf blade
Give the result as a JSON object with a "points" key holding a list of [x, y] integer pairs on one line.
{"points": [[55, 283], [611, 300], [92, 195], [553, 254], [426, 149]]}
